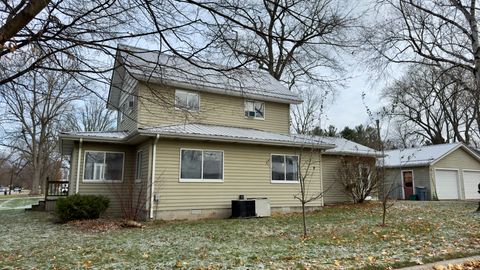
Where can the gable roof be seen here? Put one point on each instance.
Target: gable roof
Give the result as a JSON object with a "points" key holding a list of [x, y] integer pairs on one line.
{"points": [[422, 156], [162, 68], [346, 147]]}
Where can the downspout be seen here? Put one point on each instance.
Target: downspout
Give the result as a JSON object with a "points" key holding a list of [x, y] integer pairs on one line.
{"points": [[320, 160], [77, 184], [152, 181]]}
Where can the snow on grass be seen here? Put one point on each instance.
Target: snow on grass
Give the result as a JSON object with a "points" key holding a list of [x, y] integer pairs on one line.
{"points": [[11, 203], [343, 237]]}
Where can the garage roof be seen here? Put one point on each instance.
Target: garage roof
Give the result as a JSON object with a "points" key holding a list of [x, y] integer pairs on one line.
{"points": [[422, 156]]}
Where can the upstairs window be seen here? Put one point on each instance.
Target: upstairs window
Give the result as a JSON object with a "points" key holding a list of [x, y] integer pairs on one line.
{"points": [[187, 100], [284, 168], [255, 109]]}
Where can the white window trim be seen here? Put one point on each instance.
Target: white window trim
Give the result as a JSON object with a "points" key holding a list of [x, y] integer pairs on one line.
{"points": [[138, 172], [185, 109], [188, 180], [284, 170], [103, 180], [255, 117]]}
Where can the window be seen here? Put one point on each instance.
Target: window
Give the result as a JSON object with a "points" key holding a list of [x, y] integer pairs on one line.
{"points": [[255, 109], [138, 166], [364, 172], [284, 168], [408, 179], [103, 166], [187, 100], [201, 165]]}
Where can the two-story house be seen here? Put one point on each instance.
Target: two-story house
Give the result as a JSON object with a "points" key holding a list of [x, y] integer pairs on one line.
{"points": [[190, 139]]}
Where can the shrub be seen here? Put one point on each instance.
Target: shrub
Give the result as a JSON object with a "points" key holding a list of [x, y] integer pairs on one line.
{"points": [[78, 207]]}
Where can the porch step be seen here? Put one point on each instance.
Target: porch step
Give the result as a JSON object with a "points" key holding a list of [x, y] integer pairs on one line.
{"points": [[43, 205], [40, 206]]}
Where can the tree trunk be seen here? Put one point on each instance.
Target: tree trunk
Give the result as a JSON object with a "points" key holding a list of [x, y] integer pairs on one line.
{"points": [[35, 182], [304, 221]]}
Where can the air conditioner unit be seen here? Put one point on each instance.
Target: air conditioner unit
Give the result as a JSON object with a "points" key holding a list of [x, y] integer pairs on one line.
{"points": [[251, 114], [262, 207]]}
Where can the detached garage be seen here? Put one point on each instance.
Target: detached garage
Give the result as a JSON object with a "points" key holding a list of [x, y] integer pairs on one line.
{"points": [[446, 171]]}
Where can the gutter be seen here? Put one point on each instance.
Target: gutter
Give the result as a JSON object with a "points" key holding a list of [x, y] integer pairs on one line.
{"points": [[77, 184], [152, 183]]}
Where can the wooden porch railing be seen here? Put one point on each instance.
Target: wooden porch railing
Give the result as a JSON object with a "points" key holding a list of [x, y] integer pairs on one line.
{"points": [[57, 189]]}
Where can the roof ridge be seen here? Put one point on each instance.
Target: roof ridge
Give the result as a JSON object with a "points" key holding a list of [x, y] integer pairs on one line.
{"points": [[145, 50], [425, 146]]}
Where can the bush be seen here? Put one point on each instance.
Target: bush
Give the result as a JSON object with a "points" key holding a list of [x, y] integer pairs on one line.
{"points": [[78, 207]]}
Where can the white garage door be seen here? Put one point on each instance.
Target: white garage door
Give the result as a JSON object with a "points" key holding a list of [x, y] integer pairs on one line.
{"points": [[471, 179], [446, 184]]}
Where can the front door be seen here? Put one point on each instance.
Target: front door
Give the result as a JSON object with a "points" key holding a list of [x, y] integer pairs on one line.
{"points": [[407, 177]]}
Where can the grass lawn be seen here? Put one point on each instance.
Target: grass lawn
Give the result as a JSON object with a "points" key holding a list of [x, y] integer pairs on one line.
{"points": [[340, 237], [11, 202]]}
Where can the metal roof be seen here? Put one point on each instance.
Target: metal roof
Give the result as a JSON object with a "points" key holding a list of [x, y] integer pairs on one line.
{"points": [[332, 145], [162, 68], [235, 134], [421, 156], [111, 135], [345, 147]]}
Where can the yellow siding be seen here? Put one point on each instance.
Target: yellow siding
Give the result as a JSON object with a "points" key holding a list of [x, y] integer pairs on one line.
{"points": [[116, 192], [156, 107], [246, 172], [458, 159], [335, 190], [129, 121]]}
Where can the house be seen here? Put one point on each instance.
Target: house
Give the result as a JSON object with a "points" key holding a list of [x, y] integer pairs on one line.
{"points": [[447, 171], [190, 139]]}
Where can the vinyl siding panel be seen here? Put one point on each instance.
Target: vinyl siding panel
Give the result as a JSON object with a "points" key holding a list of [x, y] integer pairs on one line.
{"points": [[114, 191], [246, 172], [458, 159], [129, 121], [156, 107], [331, 182], [421, 176]]}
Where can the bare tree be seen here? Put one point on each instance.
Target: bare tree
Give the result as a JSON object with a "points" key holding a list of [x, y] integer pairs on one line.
{"points": [[443, 33], [437, 105], [91, 116], [309, 159], [359, 177], [33, 108], [305, 116]]}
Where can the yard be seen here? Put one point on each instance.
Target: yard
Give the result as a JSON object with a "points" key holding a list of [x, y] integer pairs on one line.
{"points": [[340, 237]]}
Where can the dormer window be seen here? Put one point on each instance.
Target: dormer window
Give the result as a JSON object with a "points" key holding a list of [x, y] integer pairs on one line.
{"points": [[187, 100], [255, 109]]}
